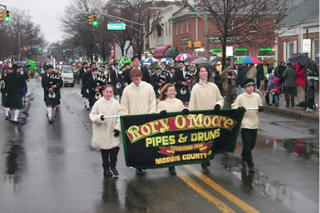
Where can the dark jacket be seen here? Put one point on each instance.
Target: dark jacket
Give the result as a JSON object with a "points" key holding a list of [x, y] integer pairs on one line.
{"points": [[289, 77]]}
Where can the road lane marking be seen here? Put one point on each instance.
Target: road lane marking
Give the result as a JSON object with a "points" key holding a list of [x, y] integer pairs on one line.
{"points": [[244, 206], [195, 186]]}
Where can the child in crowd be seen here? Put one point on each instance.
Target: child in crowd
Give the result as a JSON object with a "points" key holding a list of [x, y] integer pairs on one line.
{"points": [[169, 103], [276, 89], [105, 132], [250, 121]]}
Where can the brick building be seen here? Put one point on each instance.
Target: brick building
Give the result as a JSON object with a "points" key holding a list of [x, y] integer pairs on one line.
{"points": [[188, 26], [300, 23]]}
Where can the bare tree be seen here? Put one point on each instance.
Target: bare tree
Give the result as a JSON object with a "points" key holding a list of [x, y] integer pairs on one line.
{"points": [[238, 20], [95, 40], [20, 36]]}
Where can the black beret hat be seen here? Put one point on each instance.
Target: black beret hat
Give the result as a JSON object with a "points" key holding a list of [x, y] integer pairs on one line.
{"points": [[135, 57], [248, 82]]}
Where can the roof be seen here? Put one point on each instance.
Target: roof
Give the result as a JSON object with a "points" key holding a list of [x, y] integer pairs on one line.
{"points": [[306, 11], [184, 11]]}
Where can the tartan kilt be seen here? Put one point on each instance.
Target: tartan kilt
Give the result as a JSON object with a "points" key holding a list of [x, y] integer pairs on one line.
{"points": [[52, 101], [14, 100]]}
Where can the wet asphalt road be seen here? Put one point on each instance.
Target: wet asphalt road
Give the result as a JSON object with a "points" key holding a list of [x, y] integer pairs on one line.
{"points": [[51, 168]]}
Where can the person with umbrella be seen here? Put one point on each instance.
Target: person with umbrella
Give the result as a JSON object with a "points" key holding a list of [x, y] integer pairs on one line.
{"points": [[300, 82]]}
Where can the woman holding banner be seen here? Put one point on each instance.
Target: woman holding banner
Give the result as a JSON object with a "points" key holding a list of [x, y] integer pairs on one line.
{"points": [[169, 103], [205, 95]]}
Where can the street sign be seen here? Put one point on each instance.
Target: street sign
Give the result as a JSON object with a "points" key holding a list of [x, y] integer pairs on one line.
{"points": [[116, 26], [306, 45]]}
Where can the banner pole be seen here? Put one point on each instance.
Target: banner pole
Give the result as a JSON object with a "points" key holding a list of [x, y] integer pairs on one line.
{"points": [[118, 116]]}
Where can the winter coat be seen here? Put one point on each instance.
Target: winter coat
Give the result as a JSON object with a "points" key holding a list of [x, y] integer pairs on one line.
{"points": [[170, 105], [102, 131], [138, 99], [251, 118], [300, 75], [289, 77], [205, 97], [276, 86]]}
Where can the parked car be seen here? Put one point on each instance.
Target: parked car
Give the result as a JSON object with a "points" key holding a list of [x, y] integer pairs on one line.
{"points": [[67, 76]]}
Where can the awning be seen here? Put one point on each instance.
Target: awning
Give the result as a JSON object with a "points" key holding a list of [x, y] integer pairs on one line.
{"points": [[159, 52]]}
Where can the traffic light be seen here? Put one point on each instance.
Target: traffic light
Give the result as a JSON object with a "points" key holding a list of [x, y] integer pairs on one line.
{"points": [[7, 16], [64, 50], [39, 48], [189, 44], [95, 22], [4, 15]]}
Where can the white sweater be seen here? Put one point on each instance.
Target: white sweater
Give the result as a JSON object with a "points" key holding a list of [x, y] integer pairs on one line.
{"points": [[251, 118], [102, 131], [170, 105], [205, 97], [138, 99]]}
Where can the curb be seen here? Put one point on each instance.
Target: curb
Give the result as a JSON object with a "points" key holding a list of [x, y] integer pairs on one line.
{"points": [[294, 114]]}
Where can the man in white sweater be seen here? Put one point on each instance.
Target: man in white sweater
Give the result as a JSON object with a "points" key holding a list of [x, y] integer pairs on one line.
{"points": [[138, 98], [250, 121]]}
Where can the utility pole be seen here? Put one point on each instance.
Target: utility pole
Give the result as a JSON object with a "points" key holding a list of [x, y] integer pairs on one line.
{"points": [[205, 16]]}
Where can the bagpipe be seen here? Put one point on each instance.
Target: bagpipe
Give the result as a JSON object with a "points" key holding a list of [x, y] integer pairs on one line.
{"points": [[100, 81], [189, 73], [54, 79]]}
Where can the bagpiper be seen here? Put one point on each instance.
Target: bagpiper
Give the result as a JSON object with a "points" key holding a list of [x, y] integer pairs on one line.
{"points": [[183, 80], [85, 86], [95, 84], [51, 83], [117, 78], [158, 79], [4, 93], [14, 83]]}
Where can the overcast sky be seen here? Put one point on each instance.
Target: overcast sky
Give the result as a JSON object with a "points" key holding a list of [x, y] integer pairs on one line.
{"points": [[46, 13]]}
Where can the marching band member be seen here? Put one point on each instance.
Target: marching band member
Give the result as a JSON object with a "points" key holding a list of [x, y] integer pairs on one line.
{"points": [[14, 82], [4, 92], [95, 83], [145, 73], [105, 132], [117, 78], [183, 80], [84, 87], [51, 83], [205, 95], [169, 103], [158, 80], [171, 77], [250, 121], [138, 98]]}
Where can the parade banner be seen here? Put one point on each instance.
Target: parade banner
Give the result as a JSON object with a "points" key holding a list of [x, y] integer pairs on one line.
{"points": [[155, 141]]}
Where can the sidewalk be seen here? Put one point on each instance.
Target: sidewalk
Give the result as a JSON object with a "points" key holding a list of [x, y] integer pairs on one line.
{"points": [[296, 112]]}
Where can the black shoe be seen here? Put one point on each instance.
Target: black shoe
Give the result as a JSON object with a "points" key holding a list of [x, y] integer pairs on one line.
{"points": [[251, 167], [14, 122], [114, 171], [139, 172], [107, 173], [172, 170], [7, 118], [243, 164], [204, 167]]}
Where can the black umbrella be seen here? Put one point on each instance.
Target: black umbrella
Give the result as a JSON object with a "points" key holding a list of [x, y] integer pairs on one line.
{"points": [[171, 52], [304, 60]]}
